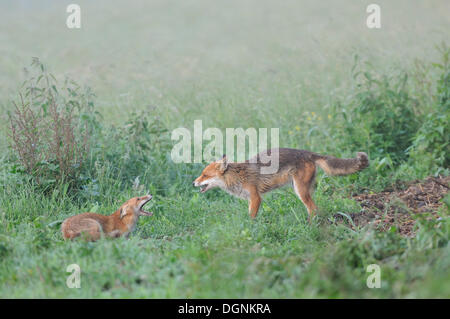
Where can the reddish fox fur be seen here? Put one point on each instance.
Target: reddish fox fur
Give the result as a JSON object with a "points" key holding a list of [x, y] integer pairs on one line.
{"points": [[92, 226], [244, 180]]}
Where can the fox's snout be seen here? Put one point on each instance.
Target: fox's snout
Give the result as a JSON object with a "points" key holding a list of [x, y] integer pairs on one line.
{"points": [[196, 183]]}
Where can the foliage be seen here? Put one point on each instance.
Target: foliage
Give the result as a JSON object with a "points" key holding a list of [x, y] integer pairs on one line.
{"points": [[381, 117], [132, 147], [51, 127], [384, 118], [59, 140], [431, 146]]}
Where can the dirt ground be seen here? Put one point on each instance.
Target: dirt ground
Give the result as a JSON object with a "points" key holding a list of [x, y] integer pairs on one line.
{"points": [[397, 207]]}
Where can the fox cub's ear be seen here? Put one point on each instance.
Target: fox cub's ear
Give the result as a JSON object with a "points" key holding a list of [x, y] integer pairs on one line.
{"points": [[123, 211], [223, 163]]}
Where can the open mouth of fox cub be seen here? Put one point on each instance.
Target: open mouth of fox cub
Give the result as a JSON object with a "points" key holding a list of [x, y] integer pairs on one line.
{"points": [[145, 201]]}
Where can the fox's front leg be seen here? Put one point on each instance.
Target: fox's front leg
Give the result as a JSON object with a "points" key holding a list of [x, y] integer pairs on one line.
{"points": [[254, 203]]}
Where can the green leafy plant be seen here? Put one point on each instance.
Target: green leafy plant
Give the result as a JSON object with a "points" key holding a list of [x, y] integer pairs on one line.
{"points": [[381, 117], [431, 145], [131, 148], [51, 127]]}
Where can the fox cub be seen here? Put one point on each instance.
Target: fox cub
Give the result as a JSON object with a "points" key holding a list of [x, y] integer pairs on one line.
{"points": [[298, 167], [120, 223]]}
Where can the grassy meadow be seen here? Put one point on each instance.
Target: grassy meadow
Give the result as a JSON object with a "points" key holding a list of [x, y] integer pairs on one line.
{"points": [[140, 69]]}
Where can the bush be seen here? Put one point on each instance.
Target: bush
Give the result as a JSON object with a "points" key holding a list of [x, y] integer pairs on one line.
{"points": [[381, 117], [135, 145], [57, 139], [51, 127], [130, 155], [431, 146]]}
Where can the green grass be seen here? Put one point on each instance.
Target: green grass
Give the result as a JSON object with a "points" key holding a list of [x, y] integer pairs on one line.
{"points": [[230, 64]]}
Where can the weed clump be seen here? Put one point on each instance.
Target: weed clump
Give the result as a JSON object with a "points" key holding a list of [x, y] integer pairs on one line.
{"points": [[51, 127], [382, 117], [58, 139], [385, 118], [431, 145]]}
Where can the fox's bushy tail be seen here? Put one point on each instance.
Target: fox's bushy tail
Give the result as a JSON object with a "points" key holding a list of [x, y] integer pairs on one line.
{"points": [[343, 166]]}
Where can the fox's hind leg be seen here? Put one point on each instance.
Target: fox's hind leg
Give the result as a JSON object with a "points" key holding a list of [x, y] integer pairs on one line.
{"points": [[90, 229], [303, 182]]}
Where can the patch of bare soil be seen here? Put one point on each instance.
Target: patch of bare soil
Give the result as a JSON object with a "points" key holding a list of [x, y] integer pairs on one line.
{"points": [[398, 207]]}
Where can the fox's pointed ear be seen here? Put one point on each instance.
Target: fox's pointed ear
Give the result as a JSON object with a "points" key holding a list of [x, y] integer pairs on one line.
{"points": [[123, 211], [223, 163]]}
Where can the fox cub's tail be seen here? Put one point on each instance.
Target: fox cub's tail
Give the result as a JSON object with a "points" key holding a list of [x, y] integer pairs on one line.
{"points": [[343, 166]]}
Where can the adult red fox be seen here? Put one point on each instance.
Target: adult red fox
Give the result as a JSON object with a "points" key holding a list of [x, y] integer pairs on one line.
{"points": [[245, 180], [120, 223]]}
